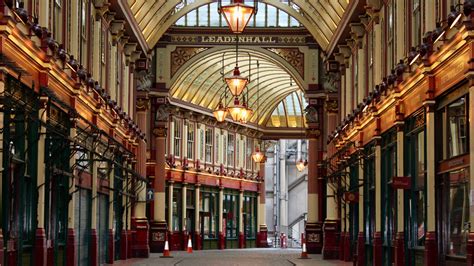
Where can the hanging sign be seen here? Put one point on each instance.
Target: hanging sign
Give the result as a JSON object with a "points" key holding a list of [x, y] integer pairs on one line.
{"points": [[401, 182], [351, 197]]}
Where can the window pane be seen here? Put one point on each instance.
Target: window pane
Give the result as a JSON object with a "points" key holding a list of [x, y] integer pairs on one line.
{"points": [[204, 15], [458, 211], [457, 128], [282, 19], [271, 16]]}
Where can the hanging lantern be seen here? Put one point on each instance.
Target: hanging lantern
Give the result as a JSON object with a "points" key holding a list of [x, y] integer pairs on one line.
{"points": [[300, 165], [237, 15], [236, 110], [236, 82], [257, 155], [245, 114], [220, 113]]}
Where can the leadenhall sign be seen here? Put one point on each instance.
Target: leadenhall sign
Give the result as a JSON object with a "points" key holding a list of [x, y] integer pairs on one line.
{"points": [[248, 40]]}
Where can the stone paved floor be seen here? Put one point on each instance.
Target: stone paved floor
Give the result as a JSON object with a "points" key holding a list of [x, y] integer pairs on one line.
{"points": [[234, 257]]}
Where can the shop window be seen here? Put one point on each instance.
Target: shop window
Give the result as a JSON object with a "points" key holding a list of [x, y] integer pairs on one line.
{"points": [[190, 201], [389, 195], [457, 127], [416, 29], [415, 161], [249, 215], [231, 216], [57, 19], [217, 146], [248, 157], [209, 206], [177, 209], [369, 198], [458, 211]]}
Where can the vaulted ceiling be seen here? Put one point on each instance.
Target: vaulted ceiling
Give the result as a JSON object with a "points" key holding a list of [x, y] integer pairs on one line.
{"points": [[201, 84], [319, 17]]}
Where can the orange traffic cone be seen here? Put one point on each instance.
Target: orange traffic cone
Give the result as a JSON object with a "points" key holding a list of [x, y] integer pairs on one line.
{"points": [[166, 250], [190, 245], [304, 253]]}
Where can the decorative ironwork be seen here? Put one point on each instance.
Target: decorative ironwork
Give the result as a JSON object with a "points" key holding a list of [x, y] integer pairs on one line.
{"points": [[181, 55], [293, 56]]}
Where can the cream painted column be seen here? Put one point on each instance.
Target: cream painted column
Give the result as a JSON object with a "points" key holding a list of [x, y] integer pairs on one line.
{"points": [[170, 206], [283, 189], [41, 174], [429, 16], [221, 209], [72, 187], [96, 49], [125, 89], [471, 151], [430, 170], [241, 213], [362, 70], [400, 172], [361, 196], [377, 67], [75, 29], [331, 204], [400, 30], [313, 196], [183, 210], [197, 210], [43, 14], [113, 69], [261, 219], [111, 200], [348, 87]]}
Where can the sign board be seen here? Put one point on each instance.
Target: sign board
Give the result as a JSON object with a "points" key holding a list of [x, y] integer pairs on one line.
{"points": [[401, 182], [150, 194], [351, 197]]}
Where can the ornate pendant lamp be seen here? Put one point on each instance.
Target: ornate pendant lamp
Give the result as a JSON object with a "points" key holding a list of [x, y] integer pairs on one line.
{"points": [[236, 110], [220, 113], [245, 113], [236, 82], [300, 165], [257, 155], [237, 15]]}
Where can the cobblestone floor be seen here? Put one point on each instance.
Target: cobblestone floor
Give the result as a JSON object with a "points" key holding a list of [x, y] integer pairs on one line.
{"points": [[234, 257]]}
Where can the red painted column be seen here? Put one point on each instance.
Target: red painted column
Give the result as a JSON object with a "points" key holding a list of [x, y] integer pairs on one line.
{"points": [[40, 249], [262, 233], [158, 227], [110, 247], [377, 248], [71, 246], [360, 249], [431, 250], [331, 240], [93, 254], [140, 241], [123, 244], [2, 254], [347, 248], [400, 249], [342, 242]]}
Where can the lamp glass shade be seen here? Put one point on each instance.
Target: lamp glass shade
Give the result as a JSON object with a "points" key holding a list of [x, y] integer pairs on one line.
{"points": [[258, 156], [236, 82], [245, 114], [237, 15], [220, 113], [300, 165], [235, 112]]}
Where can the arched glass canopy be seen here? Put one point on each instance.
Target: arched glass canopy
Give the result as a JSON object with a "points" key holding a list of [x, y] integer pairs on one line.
{"points": [[201, 84], [320, 18], [208, 16], [289, 112]]}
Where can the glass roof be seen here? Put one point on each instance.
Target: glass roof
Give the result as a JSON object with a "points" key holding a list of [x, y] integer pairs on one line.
{"points": [[201, 83], [207, 16], [289, 112]]}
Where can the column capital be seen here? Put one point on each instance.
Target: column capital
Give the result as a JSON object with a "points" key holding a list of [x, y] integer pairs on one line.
{"points": [[143, 103], [160, 132]]}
